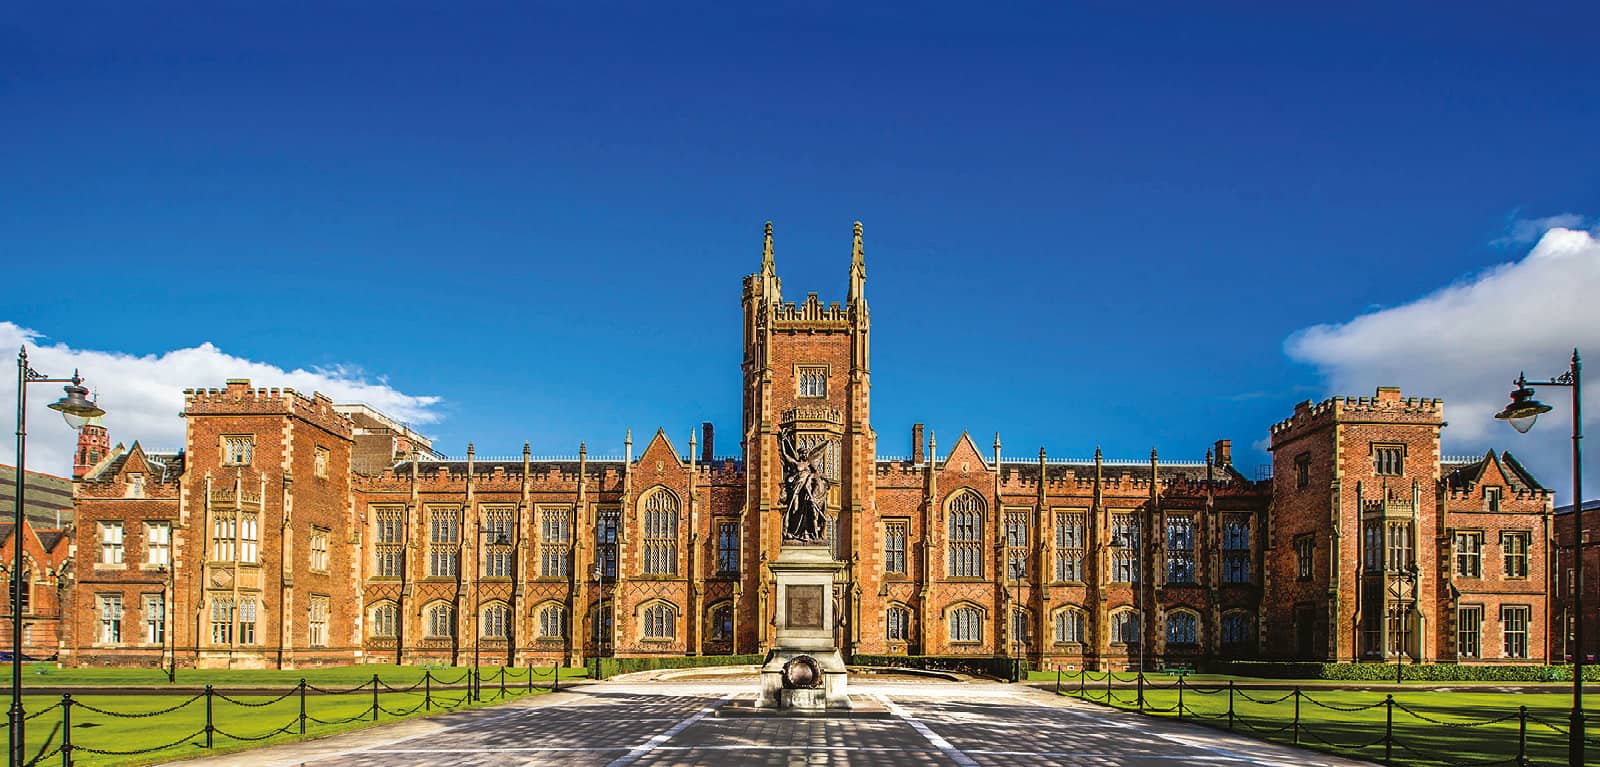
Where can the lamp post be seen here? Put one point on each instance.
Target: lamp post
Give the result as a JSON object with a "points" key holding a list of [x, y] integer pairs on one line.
{"points": [[599, 604], [168, 642], [77, 409], [477, 593], [1523, 411], [1400, 578]]}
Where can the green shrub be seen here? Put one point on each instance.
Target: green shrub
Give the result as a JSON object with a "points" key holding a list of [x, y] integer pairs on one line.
{"points": [[1382, 672], [602, 668], [1009, 669]]}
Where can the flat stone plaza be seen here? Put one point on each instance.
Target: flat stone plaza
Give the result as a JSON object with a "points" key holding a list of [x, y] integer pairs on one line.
{"points": [[676, 721]]}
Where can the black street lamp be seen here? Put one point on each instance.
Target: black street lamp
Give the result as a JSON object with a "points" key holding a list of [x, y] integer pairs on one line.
{"points": [[77, 409], [168, 642], [499, 539], [1523, 411]]}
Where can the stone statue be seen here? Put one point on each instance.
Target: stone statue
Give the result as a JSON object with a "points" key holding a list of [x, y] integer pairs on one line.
{"points": [[805, 491]]}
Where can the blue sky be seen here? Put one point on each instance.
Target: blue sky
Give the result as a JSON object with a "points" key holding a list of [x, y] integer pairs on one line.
{"points": [[1084, 226]]}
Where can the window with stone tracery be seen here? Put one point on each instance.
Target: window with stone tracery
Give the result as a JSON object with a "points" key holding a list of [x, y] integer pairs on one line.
{"points": [[966, 536], [661, 533], [813, 382]]}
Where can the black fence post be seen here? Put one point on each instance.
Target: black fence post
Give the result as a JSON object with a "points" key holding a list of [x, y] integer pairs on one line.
{"points": [[1180, 698], [374, 697], [502, 681], [302, 706], [1522, 736], [530, 676], [1230, 705], [1388, 728], [1058, 681], [1140, 680], [1297, 716], [472, 684], [427, 689], [1109, 702], [66, 730], [210, 728]]}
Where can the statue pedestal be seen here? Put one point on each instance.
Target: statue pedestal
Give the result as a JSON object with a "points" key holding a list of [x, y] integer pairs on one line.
{"points": [[803, 644]]}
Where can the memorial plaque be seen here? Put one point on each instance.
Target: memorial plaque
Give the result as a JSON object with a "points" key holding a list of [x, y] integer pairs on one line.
{"points": [[803, 607]]}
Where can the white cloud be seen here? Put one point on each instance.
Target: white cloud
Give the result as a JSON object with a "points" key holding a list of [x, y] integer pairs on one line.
{"points": [[143, 395], [1466, 342], [1524, 231]]}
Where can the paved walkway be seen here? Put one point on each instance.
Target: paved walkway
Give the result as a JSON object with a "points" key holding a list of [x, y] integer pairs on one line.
{"points": [[661, 723]]}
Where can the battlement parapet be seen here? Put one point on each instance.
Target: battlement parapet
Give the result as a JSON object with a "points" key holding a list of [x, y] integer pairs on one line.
{"points": [[1387, 405], [238, 397], [810, 314]]}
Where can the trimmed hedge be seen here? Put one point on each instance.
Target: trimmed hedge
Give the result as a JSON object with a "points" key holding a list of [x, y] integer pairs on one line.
{"points": [[1009, 669], [602, 668], [1382, 672]]}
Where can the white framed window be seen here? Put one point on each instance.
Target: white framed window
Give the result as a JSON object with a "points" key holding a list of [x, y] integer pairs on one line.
{"points": [[319, 550], [135, 485], [317, 624], [966, 625], [110, 543], [1515, 548], [898, 623], [222, 616], [158, 543], [441, 620], [249, 537], [966, 535], [1492, 497], [1469, 554], [553, 622], [1469, 631], [1514, 629], [1183, 627], [1069, 546], [660, 621], [238, 449], [319, 463], [385, 620], [813, 381], [110, 615], [1069, 626], [661, 533], [248, 607], [224, 536], [444, 543], [155, 619], [495, 622]]}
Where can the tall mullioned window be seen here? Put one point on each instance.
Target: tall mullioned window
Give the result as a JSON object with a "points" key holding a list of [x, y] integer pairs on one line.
{"points": [[1514, 630], [1469, 555], [661, 533], [441, 620], [727, 548], [899, 623], [1183, 627], [1305, 548], [1469, 631], [497, 541], [495, 621], [248, 612], [223, 612], [555, 543], [1180, 548], [1016, 546], [1125, 627], [1125, 547], [158, 543], [966, 536], [444, 543], [660, 621], [110, 543], [155, 618], [894, 547], [1372, 547], [966, 625], [249, 537], [1069, 546], [388, 545], [1515, 548], [1021, 627], [608, 519], [319, 550], [385, 620], [1389, 460], [1400, 547], [1236, 548], [317, 623], [553, 622], [110, 618]]}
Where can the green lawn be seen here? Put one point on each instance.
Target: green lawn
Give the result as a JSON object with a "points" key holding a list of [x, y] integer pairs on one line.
{"points": [[393, 675], [239, 722], [1466, 728], [1070, 679]]}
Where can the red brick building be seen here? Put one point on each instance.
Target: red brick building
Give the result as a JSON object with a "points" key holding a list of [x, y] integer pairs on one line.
{"points": [[1564, 619], [305, 533]]}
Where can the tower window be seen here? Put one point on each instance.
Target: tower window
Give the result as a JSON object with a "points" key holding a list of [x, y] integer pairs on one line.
{"points": [[1388, 460], [237, 449], [813, 382]]}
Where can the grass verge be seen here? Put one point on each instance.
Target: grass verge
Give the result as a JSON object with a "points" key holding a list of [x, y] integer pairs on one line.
{"points": [[46, 674]]}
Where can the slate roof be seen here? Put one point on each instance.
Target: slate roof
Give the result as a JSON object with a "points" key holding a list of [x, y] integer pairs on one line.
{"points": [[1461, 476], [166, 467]]}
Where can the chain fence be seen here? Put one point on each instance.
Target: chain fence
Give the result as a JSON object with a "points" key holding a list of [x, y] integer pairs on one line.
{"points": [[472, 686], [1397, 748]]}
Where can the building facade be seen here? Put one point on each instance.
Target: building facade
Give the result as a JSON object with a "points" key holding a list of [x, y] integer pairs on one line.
{"points": [[1564, 617], [291, 531]]}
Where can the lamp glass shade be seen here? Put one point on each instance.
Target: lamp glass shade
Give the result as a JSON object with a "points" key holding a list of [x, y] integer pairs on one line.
{"points": [[1523, 411]]}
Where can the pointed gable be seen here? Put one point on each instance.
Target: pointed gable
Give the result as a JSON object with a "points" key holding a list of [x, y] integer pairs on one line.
{"points": [[660, 449], [965, 453]]}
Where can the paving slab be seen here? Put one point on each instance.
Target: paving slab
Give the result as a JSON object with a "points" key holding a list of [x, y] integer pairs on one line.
{"points": [[673, 724]]}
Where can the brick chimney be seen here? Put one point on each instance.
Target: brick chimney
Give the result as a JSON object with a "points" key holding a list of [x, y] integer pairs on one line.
{"points": [[707, 454], [1224, 452], [93, 444], [916, 443]]}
